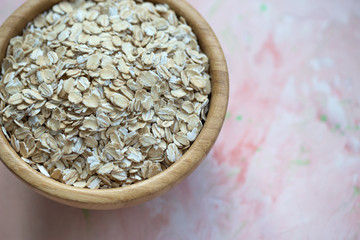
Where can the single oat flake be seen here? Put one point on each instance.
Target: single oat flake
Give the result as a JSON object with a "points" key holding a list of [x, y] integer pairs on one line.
{"points": [[104, 93]]}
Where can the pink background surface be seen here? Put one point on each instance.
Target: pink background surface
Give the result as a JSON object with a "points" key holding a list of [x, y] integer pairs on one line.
{"points": [[287, 163]]}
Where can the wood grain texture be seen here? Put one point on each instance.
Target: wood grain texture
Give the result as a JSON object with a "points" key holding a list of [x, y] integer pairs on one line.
{"points": [[155, 186]]}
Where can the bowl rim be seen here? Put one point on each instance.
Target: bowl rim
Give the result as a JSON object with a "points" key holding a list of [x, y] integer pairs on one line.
{"points": [[154, 186]]}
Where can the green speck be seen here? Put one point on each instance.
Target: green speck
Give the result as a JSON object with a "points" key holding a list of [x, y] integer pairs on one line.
{"points": [[230, 38], [240, 17], [356, 191], [258, 149], [233, 172], [228, 115], [248, 39], [238, 118], [302, 162], [336, 127], [243, 159], [215, 7], [323, 118], [241, 227], [302, 149], [263, 7], [86, 214]]}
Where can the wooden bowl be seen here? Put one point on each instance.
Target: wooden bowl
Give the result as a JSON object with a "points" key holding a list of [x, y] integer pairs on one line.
{"points": [[147, 189]]}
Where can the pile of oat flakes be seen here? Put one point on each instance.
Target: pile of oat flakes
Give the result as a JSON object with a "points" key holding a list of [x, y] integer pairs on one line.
{"points": [[103, 94]]}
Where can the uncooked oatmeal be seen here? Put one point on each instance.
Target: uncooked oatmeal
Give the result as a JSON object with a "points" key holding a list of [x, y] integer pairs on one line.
{"points": [[103, 94]]}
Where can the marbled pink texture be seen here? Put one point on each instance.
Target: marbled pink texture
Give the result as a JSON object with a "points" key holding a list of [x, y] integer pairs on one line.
{"points": [[285, 166]]}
